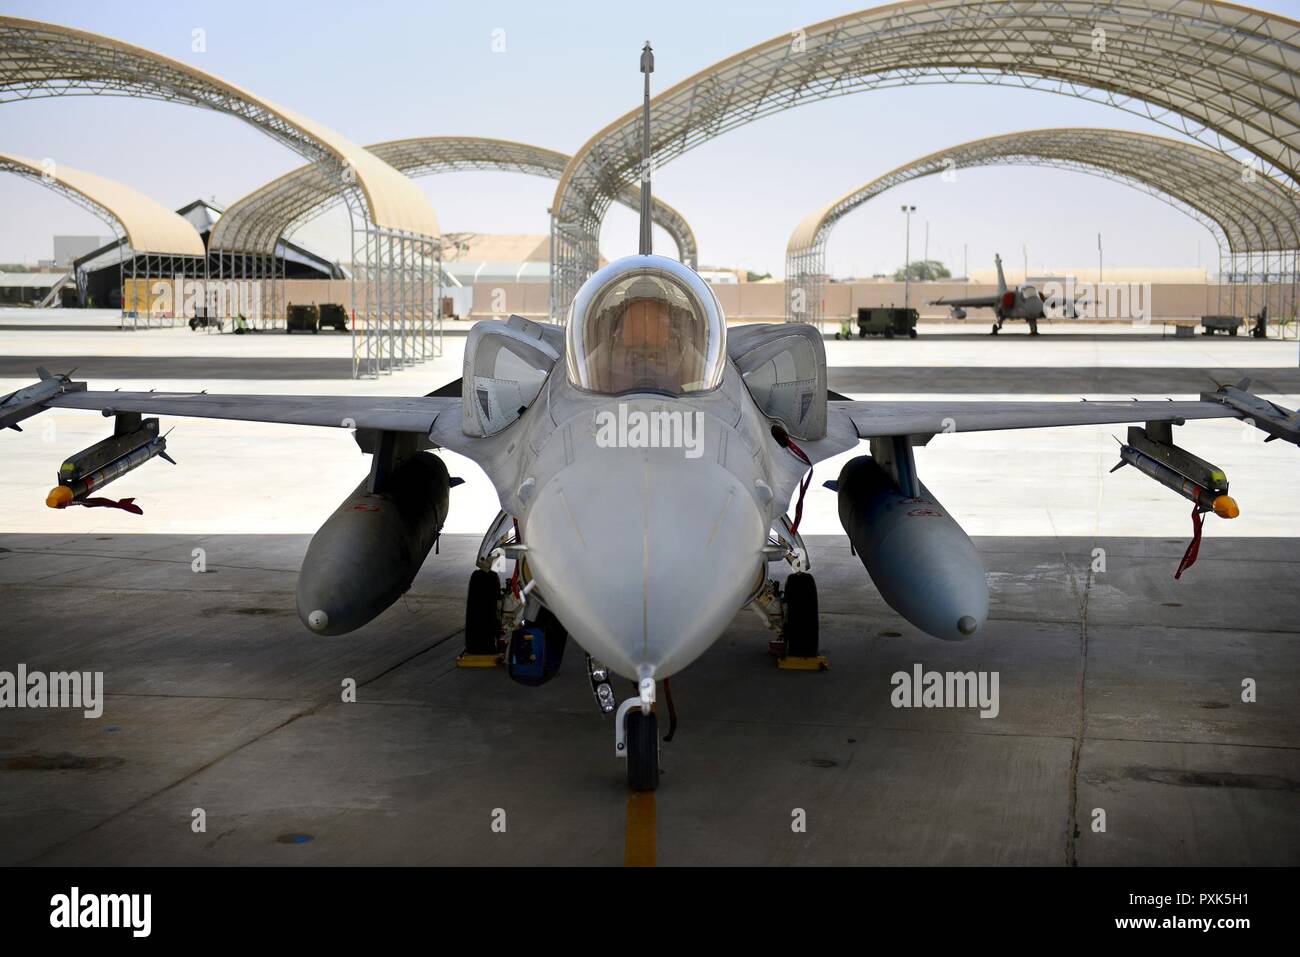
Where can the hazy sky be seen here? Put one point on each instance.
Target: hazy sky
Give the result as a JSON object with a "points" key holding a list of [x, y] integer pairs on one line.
{"points": [[383, 70]]}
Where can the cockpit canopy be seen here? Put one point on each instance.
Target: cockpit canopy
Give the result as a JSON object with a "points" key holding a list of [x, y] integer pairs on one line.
{"points": [[646, 324]]}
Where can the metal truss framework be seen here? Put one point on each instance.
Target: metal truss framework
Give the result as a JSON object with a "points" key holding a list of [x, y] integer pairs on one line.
{"points": [[97, 210], [46, 60], [1251, 216], [246, 239], [256, 223], [1225, 75]]}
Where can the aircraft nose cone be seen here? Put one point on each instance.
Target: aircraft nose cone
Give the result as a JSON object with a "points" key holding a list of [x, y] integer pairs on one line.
{"points": [[318, 620], [645, 556]]}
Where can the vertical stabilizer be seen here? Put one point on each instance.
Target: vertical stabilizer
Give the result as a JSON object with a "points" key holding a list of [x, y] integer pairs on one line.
{"points": [[1002, 280]]}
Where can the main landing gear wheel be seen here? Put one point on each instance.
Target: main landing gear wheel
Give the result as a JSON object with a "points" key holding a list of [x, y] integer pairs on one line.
{"points": [[642, 750], [482, 619], [800, 630], [996, 328], [911, 333]]}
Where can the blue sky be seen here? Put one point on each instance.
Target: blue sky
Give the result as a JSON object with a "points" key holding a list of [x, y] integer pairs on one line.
{"points": [[383, 70]]}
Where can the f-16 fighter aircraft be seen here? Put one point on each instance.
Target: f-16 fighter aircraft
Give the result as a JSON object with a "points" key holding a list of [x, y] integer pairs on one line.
{"points": [[645, 458], [1023, 302]]}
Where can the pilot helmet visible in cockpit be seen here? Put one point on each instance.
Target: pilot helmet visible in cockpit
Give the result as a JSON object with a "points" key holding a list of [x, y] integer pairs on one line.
{"points": [[645, 324]]}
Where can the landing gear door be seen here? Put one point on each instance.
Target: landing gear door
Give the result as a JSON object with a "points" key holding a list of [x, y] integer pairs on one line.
{"points": [[785, 370], [505, 366]]}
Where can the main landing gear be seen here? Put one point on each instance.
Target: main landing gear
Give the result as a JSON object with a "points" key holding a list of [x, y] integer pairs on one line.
{"points": [[503, 624], [483, 616], [791, 610], [800, 629]]}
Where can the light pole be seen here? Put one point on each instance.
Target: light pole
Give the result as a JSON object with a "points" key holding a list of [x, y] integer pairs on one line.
{"points": [[1100, 275], [907, 256]]}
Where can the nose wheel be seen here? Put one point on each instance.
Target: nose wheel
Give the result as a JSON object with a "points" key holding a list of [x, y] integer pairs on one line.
{"points": [[642, 739], [636, 737]]}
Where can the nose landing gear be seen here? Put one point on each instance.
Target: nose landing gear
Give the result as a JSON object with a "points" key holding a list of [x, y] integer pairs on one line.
{"points": [[642, 740], [636, 738]]}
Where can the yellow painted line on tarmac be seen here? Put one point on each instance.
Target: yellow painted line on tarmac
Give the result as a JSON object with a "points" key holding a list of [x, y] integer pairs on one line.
{"points": [[639, 846]]}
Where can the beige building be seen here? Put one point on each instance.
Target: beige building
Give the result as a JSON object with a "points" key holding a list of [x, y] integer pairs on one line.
{"points": [[765, 301]]}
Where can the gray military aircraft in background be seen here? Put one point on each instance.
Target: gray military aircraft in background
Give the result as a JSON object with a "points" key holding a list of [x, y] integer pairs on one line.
{"points": [[1023, 302], [645, 457]]}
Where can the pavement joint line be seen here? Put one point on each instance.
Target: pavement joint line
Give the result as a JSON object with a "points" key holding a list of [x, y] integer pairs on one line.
{"points": [[703, 721], [434, 599], [20, 550], [409, 658], [305, 712], [1081, 730], [202, 697], [70, 839], [115, 589], [1073, 621]]}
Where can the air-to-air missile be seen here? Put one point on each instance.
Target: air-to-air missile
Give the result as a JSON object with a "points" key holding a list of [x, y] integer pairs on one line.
{"points": [[368, 552], [1266, 416], [133, 442], [922, 562], [27, 402], [1151, 451]]}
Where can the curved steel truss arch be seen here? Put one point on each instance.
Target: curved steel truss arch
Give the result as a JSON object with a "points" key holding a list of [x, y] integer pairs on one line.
{"points": [[1223, 74], [258, 221], [1247, 214]]}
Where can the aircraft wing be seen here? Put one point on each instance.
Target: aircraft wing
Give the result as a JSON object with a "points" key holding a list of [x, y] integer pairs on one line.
{"points": [[883, 418], [392, 414], [987, 302]]}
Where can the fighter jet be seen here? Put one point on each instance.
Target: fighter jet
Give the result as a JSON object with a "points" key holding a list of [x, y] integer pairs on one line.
{"points": [[1023, 302], [646, 459]]}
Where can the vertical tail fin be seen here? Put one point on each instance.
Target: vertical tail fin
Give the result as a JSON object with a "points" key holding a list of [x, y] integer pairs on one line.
{"points": [[647, 67], [1002, 280]]}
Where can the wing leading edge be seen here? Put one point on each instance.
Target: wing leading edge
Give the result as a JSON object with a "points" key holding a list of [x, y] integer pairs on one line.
{"points": [[390, 414], [978, 302], [873, 419]]}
